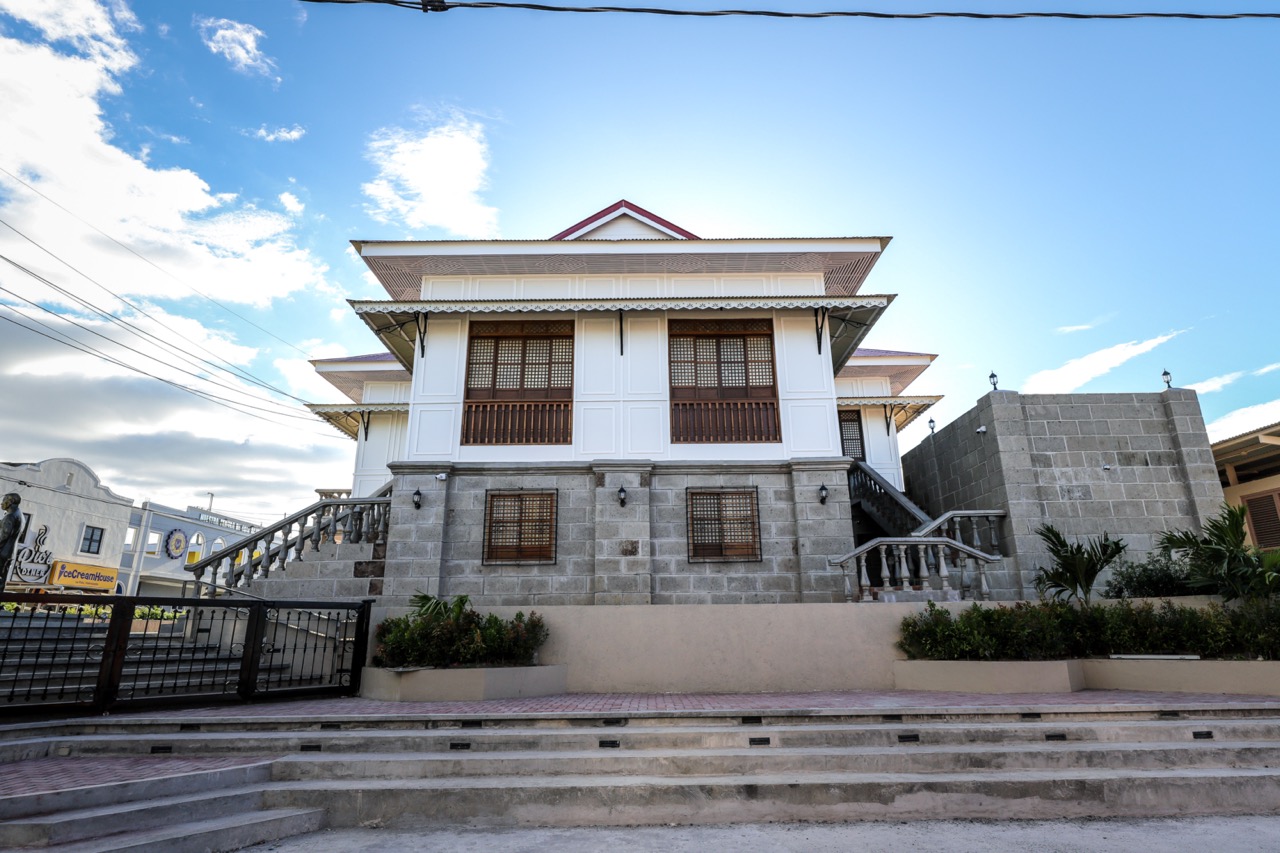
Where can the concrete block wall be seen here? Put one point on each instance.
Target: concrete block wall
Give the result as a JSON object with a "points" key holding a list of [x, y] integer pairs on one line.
{"points": [[1130, 465], [612, 554]]}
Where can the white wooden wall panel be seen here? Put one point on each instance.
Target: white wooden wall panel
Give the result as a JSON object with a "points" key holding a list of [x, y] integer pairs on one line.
{"points": [[644, 363], [646, 428], [596, 357], [440, 374], [546, 288], [444, 288], [810, 427], [596, 429], [433, 432], [641, 288], [802, 369]]}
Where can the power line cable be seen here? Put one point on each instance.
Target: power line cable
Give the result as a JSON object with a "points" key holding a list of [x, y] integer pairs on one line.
{"points": [[73, 322], [151, 263], [143, 333], [438, 6], [87, 350]]}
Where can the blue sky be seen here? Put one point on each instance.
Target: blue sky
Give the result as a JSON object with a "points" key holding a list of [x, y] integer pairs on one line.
{"points": [[1076, 205]]}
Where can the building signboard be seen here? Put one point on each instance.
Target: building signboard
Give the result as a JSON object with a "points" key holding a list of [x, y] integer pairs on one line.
{"points": [[83, 577]]}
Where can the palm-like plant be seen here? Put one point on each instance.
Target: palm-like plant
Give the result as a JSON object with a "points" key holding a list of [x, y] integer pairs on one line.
{"points": [[1076, 566], [1221, 559]]}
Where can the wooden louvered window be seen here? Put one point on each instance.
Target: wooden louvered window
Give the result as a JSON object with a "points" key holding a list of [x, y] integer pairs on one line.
{"points": [[1264, 519], [724, 525], [724, 384], [851, 435], [519, 527], [519, 383]]}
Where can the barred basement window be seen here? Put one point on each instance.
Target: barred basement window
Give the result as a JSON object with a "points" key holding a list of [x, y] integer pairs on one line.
{"points": [[724, 525], [519, 527], [1264, 519], [723, 383], [519, 383], [851, 435]]}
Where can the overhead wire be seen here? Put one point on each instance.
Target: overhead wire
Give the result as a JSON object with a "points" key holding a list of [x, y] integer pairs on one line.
{"points": [[95, 332], [439, 6], [143, 333], [152, 263]]}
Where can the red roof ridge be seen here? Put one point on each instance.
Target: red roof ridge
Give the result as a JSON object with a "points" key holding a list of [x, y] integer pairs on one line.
{"points": [[623, 204]]}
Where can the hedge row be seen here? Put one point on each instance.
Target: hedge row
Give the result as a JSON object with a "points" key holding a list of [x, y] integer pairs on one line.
{"points": [[1246, 630]]}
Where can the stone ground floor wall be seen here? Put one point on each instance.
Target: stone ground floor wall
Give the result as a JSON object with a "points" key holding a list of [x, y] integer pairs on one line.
{"points": [[607, 553]]}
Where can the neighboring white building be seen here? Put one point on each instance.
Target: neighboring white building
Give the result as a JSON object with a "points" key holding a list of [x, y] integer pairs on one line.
{"points": [[162, 540], [75, 527]]}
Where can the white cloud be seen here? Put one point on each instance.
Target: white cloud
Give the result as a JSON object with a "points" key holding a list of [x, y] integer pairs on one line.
{"points": [[1078, 371], [1263, 371], [237, 43], [1066, 330], [280, 134], [1244, 420], [1217, 383], [432, 178], [291, 203]]}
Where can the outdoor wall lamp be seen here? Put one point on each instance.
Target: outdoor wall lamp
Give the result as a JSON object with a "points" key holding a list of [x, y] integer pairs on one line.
{"points": [[932, 424], [622, 495], [822, 493], [417, 498], [994, 380], [1168, 379]]}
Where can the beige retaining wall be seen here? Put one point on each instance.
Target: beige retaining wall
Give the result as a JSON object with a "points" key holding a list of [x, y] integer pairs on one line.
{"points": [[723, 648]]}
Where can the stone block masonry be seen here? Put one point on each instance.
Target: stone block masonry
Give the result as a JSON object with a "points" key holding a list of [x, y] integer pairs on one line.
{"points": [[608, 553], [1130, 465]]}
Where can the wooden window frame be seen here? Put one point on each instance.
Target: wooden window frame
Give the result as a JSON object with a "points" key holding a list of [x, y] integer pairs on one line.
{"points": [[518, 383], [853, 416], [713, 513], [520, 526], [723, 381], [1273, 535]]}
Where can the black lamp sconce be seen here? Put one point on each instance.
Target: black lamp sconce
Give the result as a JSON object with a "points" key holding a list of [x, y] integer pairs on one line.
{"points": [[1168, 379], [622, 495], [822, 494], [994, 380], [932, 424], [417, 498]]}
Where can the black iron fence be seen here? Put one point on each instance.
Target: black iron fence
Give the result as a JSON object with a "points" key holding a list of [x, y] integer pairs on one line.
{"points": [[96, 652]]}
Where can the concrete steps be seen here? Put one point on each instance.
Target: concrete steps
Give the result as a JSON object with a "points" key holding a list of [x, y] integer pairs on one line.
{"points": [[576, 769], [216, 810]]}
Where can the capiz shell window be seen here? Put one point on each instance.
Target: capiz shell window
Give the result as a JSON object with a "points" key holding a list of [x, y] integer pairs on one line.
{"points": [[724, 525], [519, 527], [519, 383], [723, 383]]}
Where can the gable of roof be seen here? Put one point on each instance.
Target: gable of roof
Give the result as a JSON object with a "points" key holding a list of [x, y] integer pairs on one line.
{"points": [[624, 220]]}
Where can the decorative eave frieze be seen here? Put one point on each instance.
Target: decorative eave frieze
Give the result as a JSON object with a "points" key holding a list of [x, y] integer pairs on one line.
{"points": [[350, 418], [401, 325], [903, 410]]}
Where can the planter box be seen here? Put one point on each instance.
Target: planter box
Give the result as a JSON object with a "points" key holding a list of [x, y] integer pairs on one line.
{"points": [[1258, 678], [463, 685], [972, 676]]}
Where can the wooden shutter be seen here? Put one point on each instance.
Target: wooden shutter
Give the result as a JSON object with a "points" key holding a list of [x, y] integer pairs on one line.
{"points": [[1264, 519]]}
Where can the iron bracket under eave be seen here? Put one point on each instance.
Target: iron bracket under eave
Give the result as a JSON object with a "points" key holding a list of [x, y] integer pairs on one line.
{"points": [[420, 319], [365, 419], [820, 324]]}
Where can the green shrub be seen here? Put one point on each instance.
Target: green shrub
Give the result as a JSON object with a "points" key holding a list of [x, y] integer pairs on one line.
{"points": [[1160, 575], [1052, 630], [440, 633], [1076, 565], [1221, 560]]}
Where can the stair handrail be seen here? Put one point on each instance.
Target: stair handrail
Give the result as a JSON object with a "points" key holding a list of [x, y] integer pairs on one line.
{"points": [[868, 486], [931, 555], [951, 514], [945, 541], [273, 543]]}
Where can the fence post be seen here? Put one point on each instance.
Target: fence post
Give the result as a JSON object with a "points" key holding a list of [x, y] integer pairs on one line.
{"points": [[114, 647], [251, 657], [360, 648]]}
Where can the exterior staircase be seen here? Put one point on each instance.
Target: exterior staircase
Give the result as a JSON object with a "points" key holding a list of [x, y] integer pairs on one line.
{"points": [[345, 769]]}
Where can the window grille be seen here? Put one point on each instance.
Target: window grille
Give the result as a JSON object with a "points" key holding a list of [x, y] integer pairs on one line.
{"points": [[519, 527], [724, 525], [851, 435], [519, 383], [723, 381]]}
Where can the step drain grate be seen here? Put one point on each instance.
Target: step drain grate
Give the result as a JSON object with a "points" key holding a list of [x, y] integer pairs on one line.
{"points": [[1055, 736], [890, 718], [331, 727], [1032, 715], [471, 724], [167, 749], [1202, 735], [610, 744], [613, 721], [911, 738], [459, 745], [311, 747], [189, 727], [758, 741], [752, 721]]}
